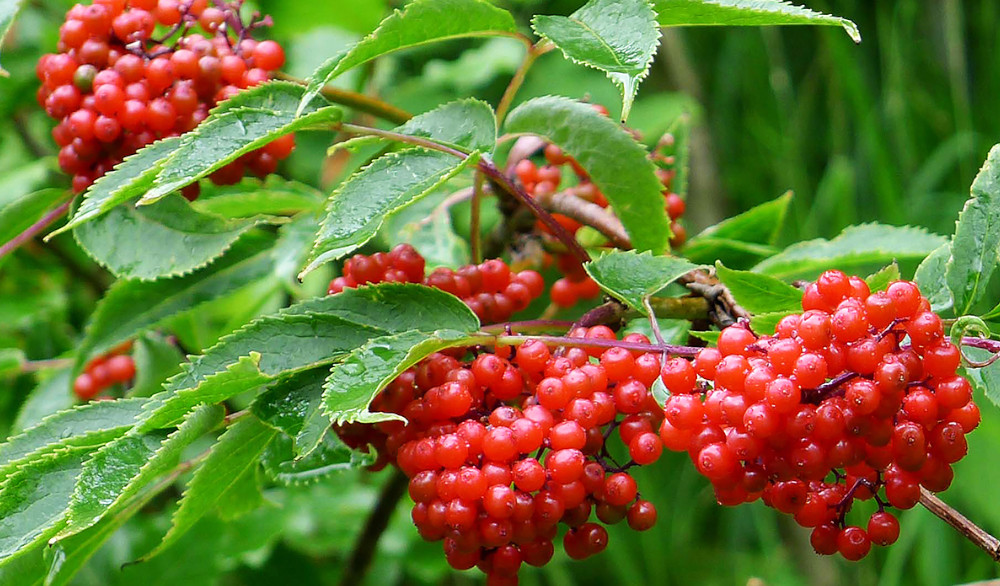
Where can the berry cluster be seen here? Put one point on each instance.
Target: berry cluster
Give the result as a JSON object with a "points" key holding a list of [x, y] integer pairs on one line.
{"points": [[502, 449], [854, 399], [104, 371], [490, 289], [115, 86]]}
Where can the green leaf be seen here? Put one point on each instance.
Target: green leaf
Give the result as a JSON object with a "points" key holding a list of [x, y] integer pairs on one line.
{"points": [[11, 361], [759, 293], [121, 469], [353, 383], [765, 323], [856, 249], [604, 149], [167, 239], [745, 13], [422, 22], [254, 355], [630, 277], [986, 379], [932, 281], [359, 206], [33, 500], [758, 225], [282, 464], [292, 406], [710, 337], [660, 392], [8, 11], [156, 360], [466, 125], [251, 197], [131, 306], [237, 451], [50, 395], [977, 238], [241, 124], [618, 37], [879, 281], [128, 180], [243, 497], [91, 424], [18, 215], [427, 225]]}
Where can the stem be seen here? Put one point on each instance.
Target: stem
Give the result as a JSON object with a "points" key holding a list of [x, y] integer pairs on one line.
{"points": [[357, 101], [534, 52], [36, 365], [475, 245], [540, 325], [827, 389], [557, 229], [971, 531], [653, 324], [589, 214], [688, 351], [35, 228], [982, 343], [364, 549], [403, 138]]}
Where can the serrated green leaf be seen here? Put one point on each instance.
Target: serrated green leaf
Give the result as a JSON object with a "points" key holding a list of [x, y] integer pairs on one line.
{"points": [[156, 360], [660, 392], [604, 149], [8, 11], [630, 277], [765, 323], [353, 383], [243, 497], [168, 239], [237, 451], [18, 215], [421, 22], [618, 37], [745, 13], [759, 293], [986, 379], [251, 197], [131, 306], [857, 249], [710, 337], [121, 469], [34, 499], [52, 394], [466, 125], [735, 253], [359, 206], [254, 355], [931, 280], [128, 180], [292, 406], [427, 225], [977, 238], [394, 307], [759, 225], [241, 124], [282, 464], [91, 424], [879, 280]]}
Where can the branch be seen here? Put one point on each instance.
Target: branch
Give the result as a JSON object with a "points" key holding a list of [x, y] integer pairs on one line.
{"points": [[357, 101], [34, 229], [364, 549], [971, 531], [724, 310], [534, 52], [587, 213]]}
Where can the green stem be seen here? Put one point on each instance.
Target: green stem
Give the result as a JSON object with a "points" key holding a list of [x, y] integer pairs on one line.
{"points": [[357, 101], [534, 52], [475, 218]]}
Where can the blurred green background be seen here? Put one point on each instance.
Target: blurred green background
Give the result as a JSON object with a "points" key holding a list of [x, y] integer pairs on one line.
{"points": [[892, 130]]}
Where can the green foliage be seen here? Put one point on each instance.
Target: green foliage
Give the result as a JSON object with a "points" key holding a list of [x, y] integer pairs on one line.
{"points": [[16, 216], [879, 280], [745, 13], [759, 293], [8, 10], [977, 238], [616, 37], [467, 125], [603, 148], [283, 465], [744, 239], [931, 278], [632, 278]]}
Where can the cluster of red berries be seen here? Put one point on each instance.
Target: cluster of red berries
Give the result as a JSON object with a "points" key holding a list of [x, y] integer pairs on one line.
{"points": [[503, 448], [104, 371], [490, 289], [856, 398], [114, 87]]}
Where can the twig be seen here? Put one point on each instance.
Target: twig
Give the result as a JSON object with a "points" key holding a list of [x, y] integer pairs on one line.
{"points": [[599, 343], [971, 531], [36, 365], [534, 52], [34, 229], [590, 214], [475, 245], [364, 548], [357, 101], [724, 310]]}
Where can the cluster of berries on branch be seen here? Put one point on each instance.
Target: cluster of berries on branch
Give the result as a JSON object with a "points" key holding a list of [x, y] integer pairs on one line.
{"points": [[490, 289], [129, 72], [115, 367], [502, 448], [856, 398]]}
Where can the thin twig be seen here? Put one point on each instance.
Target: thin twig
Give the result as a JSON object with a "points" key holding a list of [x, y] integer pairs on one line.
{"points": [[971, 531], [357, 101], [54, 363], [587, 213], [475, 245], [534, 52], [34, 229], [364, 548], [689, 351]]}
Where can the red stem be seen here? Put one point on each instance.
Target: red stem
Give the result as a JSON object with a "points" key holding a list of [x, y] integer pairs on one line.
{"points": [[34, 229]]}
